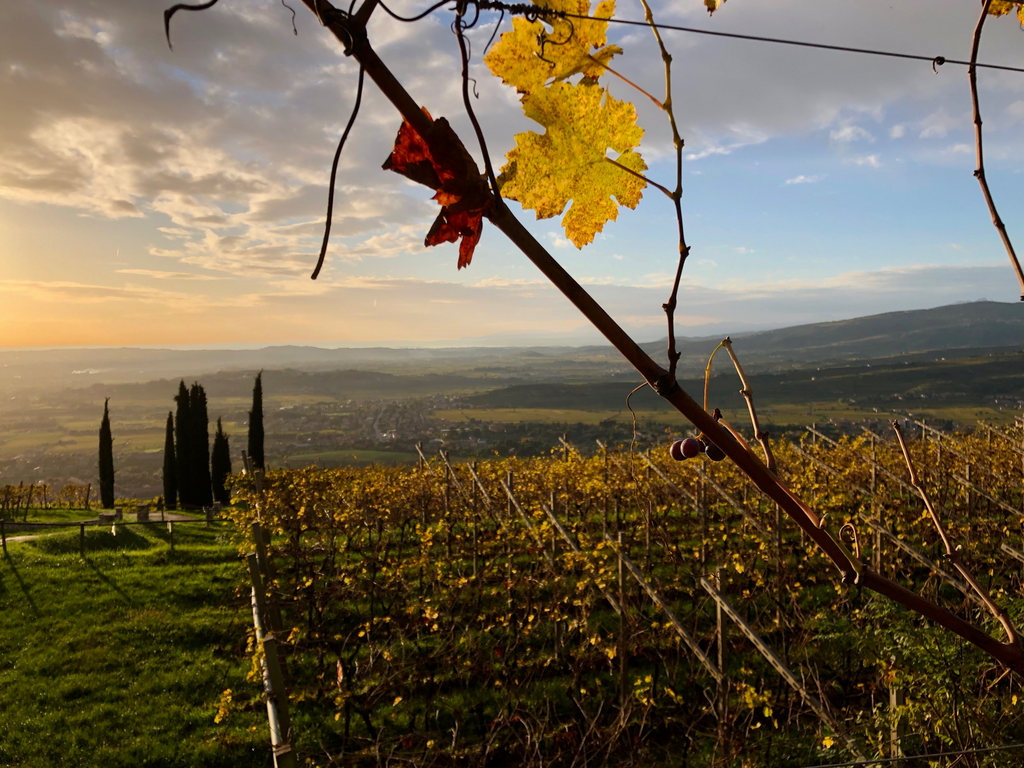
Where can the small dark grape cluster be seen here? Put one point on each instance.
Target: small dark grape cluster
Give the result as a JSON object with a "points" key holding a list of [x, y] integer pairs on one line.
{"points": [[691, 447]]}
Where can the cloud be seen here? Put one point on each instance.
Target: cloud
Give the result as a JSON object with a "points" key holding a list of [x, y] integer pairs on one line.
{"points": [[897, 132], [849, 134], [871, 161], [801, 179], [159, 275]]}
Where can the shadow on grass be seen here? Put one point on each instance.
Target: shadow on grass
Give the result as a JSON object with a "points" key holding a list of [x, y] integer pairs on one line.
{"points": [[96, 540], [24, 587], [110, 582]]}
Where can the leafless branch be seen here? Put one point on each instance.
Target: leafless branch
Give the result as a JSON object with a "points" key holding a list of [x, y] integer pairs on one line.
{"points": [[677, 195], [979, 172], [953, 555], [748, 396], [626, 80], [640, 176]]}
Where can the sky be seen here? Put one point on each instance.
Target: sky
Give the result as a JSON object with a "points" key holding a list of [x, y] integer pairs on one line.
{"points": [[176, 197]]}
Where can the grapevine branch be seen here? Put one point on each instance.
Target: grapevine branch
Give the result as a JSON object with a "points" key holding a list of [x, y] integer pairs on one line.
{"points": [[350, 30], [953, 554], [748, 395], [677, 194], [979, 172]]}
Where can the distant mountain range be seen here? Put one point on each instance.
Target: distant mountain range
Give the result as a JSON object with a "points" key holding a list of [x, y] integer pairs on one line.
{"points": [[974, 326], [955, 330]]}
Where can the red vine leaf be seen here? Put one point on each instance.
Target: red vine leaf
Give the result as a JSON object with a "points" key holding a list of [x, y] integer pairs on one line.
{"points": [[462, 191]]}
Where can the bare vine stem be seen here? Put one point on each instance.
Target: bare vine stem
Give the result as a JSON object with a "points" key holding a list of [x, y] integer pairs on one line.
{"points": [[676, 196], [640, 176], [626, 80], [953, 554], [748, 395], [464, 53], [979, 172]]}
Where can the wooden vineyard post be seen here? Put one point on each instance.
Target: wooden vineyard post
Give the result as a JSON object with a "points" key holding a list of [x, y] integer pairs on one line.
{"points": [[623, 664], [88, 492], [604, 453], [897, 699], [170, 534], [769, 655], [81, 539], [510, 481], [721, 690], [876, 550], [778, 565], [576, 550], [702, 507], [273, 680], [447, 505], [554, 511], [691, 643], [476, 518]]}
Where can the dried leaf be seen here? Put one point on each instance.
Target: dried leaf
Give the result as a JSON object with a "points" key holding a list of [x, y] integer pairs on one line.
{"points": [[461, 190]]}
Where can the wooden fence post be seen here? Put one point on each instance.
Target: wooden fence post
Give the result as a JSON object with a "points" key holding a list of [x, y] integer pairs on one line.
{"points": [[88, 493], [81, 539]]}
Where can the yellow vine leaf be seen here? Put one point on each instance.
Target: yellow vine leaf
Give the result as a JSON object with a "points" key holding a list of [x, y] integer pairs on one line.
{"points": [[529, 56], [1003, 7], [544, 173]]}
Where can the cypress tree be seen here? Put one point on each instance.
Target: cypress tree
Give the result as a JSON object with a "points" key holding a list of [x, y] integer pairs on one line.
{"points": [[183, 447], [106, 462], [255, 445], [170, 467], [220, 465], [200, 436]]}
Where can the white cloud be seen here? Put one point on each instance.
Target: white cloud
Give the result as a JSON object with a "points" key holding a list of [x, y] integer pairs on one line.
{"points": [[801, 179], [897, 132], [849, 134], [872, 161]]}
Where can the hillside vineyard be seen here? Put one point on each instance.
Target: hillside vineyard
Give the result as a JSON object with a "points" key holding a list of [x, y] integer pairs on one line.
{"points": [[633, 609]]}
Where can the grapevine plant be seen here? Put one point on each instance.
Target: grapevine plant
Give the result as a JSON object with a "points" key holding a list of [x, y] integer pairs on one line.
{"points": [[430, 623]]}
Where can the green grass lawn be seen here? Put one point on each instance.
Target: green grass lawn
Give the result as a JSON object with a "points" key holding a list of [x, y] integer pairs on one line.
{"points": [[121, 659]]}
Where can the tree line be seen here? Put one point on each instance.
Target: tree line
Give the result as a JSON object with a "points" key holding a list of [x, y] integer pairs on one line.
{"points": [[194, 475]]}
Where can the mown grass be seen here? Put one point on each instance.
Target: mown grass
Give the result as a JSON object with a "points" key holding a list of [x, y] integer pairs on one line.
{"points": [[121, 658]]}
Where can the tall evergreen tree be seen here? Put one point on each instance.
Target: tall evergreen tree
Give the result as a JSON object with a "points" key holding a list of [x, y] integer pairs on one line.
{"points": [[220, 465], [183, 447], [200, 431], [255, 445], [170, 466], [106, 461]]}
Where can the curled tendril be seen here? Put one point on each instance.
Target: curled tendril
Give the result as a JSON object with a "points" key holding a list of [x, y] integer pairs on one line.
{"points": [[545, 40], [295, 30], [183, 7]]}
